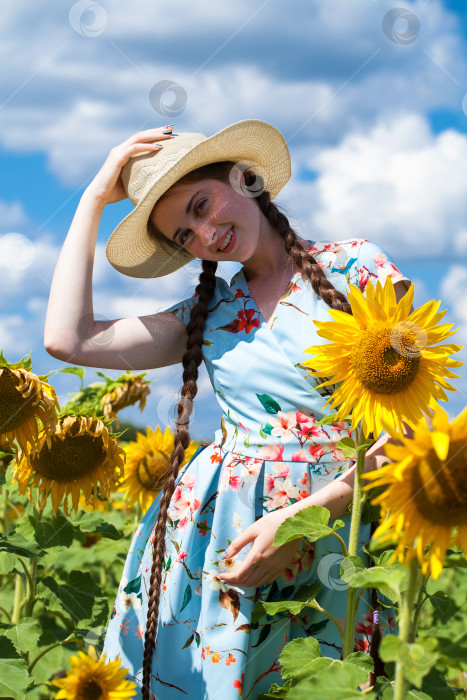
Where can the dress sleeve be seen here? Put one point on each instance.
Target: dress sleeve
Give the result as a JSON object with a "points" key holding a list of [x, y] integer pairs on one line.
{"points": [[182, 309], [374, 263]]}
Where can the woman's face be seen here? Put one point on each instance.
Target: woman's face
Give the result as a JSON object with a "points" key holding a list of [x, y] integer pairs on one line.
{"points": [[211, 219]]}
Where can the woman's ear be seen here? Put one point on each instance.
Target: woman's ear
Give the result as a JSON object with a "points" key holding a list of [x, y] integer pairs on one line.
{"points": [[237, 178]]}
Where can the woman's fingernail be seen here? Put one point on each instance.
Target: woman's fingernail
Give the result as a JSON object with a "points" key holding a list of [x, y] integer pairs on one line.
{"points": [[167, 132]]}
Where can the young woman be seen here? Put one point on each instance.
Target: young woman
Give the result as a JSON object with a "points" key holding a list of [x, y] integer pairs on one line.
{"points": [[203, 556]]}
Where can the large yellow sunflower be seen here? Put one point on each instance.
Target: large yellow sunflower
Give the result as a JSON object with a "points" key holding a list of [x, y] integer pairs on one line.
{"points": [[148, 464], [383, 358], [425, 500], [81, 457], [24, 398], [91, 678]]}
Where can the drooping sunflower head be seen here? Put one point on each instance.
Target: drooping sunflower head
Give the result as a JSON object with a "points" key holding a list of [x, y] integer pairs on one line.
{"points": [[79, 457], [91, 678], [148, 464], [384, 358], [126, 392], [425, 500], [24, 399]]}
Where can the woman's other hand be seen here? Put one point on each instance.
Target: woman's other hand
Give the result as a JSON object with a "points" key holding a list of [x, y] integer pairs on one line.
{"points": [[107, 186], [264, 562]]}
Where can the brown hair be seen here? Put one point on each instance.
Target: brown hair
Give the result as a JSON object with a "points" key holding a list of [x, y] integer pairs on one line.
{"points": [[193, 357]]}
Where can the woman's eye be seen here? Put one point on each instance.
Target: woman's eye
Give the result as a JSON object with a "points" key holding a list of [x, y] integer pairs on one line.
{"points": [[200, 205], [183, 237]]}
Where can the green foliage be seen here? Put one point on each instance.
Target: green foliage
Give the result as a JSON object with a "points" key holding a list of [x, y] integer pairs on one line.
{"points": [[390, 580], [310, 523], [59, 577], [304, 598]]}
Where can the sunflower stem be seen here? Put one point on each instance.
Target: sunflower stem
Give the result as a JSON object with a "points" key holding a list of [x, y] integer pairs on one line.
{"points": [[70, 638], [418, 607], [6, 612], [404, 628], [18, 600], [5, 509], [341, 542], [27, 573], [31, 588], [103, 577], [351, 608]]}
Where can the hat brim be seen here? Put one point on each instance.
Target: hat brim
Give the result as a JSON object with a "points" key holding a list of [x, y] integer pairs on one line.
{"points": [[130, 249]]}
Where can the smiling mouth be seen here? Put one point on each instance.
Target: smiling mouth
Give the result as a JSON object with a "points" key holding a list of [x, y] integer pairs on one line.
{"points": [[226, 240]]}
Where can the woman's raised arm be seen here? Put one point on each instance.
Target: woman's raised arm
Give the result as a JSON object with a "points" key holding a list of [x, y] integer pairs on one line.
{"points": [[71, 333]]}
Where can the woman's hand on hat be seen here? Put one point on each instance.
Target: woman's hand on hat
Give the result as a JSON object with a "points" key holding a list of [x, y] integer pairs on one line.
{"points": [[107, 186], [264, 562]]}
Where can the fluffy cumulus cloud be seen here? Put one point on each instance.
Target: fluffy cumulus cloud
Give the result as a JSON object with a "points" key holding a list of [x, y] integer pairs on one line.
{"points": [[454, 294], [85, 82], [398, 184], [453, 289]]}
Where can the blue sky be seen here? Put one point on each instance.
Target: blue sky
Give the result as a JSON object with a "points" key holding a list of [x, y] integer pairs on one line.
{"points": [[371, 98]]}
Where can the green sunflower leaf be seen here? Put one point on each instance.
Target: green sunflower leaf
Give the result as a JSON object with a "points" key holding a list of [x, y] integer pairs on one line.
{"points": [[327, 679], [75, 598], [311, 523], [417, 659], [390, 580], [25, 635], [94, 523], [14, 678], [297, 655], [305, 597]]}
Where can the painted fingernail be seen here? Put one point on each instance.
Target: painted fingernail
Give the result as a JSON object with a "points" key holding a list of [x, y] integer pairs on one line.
{"points": [[168, 126], [167, 132]]}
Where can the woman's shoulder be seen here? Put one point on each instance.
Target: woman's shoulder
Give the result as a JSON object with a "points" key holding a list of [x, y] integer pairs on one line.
{"points": [[359, 259]]}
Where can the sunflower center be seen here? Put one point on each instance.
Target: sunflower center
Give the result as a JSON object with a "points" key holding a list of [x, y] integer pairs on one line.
{"points": [[440, 488], [15, 410], [153, 469], [91, 691], [383, 358], [71, 458]]}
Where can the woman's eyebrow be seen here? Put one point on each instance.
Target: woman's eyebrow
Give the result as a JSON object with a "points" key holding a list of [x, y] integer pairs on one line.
{"points": [[187, 211]]}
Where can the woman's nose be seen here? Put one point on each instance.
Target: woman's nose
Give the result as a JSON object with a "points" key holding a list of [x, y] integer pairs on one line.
{"points": [[206, 232]]}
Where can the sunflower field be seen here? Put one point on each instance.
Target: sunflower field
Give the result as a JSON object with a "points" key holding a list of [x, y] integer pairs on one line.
{"points": [[73, 491], [67, 516]]}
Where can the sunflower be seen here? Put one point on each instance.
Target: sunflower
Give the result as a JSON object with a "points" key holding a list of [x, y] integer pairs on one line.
{"points": [[148, 463], [91, 678], [81, 457], [134, 388], [382, 358], [425, 499], [23, 399]]}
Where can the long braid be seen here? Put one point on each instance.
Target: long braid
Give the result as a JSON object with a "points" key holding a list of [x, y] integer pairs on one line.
{"points": [[191, 361], [305, 262]]}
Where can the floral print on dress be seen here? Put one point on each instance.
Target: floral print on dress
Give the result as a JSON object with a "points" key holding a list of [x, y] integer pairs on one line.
{"points": [[268, 453]]}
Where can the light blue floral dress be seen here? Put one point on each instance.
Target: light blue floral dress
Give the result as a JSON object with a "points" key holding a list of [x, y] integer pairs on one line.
{"points": [[267, 454]]}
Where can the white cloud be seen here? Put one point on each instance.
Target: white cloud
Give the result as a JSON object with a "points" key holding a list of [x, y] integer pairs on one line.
{"points": [[80, 96], [397, 184], [26, 266], [12, 216], [460, 243], [13, 340], [454, 293]]}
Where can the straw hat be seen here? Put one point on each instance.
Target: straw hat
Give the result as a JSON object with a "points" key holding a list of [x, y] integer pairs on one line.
{"points": [[249, 143]]}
